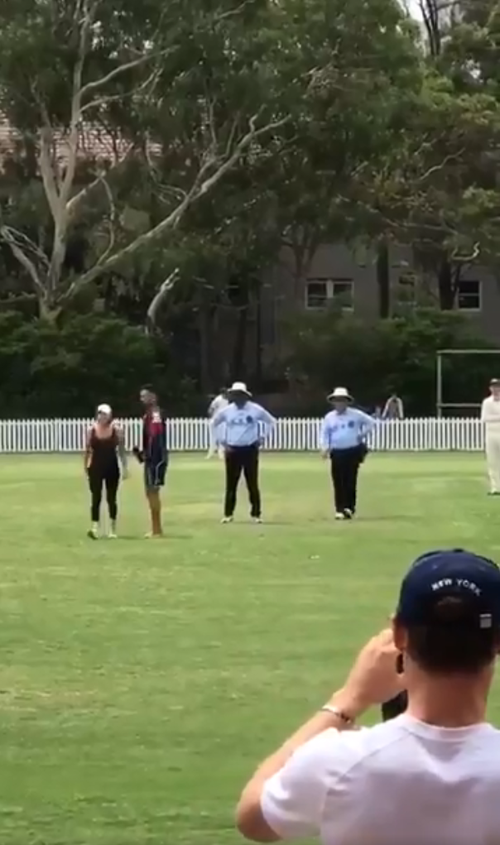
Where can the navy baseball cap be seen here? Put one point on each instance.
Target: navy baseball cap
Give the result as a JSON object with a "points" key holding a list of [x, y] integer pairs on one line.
{"points": [[451, 573]]}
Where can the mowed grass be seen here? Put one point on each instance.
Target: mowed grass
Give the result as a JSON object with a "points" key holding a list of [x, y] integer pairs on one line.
{"points": [[141, 682]]}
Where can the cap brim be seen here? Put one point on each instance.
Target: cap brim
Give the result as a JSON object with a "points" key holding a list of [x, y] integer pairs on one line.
{"points": [[332, 396]]}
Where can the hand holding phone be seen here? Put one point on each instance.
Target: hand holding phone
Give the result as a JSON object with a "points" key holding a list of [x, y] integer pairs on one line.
{"points": [[397, 705]]}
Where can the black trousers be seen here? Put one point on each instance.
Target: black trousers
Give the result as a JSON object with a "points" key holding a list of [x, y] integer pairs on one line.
{"points": [[242, 459], [110, 479], [345, 465]]}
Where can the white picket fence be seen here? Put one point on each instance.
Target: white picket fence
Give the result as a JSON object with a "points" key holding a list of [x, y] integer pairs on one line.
{"points": [[289, 435]]}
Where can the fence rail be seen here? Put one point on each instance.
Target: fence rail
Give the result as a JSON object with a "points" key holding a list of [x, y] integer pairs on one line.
{"points": [[294, 435]]}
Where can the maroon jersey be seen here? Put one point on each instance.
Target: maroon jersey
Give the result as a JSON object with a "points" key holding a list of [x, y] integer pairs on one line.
{"points": [[154, 437]]}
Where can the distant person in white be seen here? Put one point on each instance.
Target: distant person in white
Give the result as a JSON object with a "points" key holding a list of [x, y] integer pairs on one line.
{"points": [[393, 408], [490, 417], [343, 440], [217, 404], [430, 776]]}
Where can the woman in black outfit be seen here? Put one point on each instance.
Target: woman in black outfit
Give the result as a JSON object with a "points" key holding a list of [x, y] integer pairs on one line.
{"points": [[105, 445]]}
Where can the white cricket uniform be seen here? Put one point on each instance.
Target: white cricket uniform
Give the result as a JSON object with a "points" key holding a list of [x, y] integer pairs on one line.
{"points": [[218, 404], [403, 782], [490, 416]]}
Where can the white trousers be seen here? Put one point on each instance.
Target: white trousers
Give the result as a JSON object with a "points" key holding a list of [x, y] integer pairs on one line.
{"points": [[493, 461]]}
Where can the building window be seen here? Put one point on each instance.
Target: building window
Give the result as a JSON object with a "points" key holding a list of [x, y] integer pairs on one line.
{"points": [[321, 292], [469, 295], [317, 294]]}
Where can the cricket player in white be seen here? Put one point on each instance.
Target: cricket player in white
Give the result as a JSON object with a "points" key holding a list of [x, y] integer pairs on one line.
{"points": [[218, 404], [490, 417]]}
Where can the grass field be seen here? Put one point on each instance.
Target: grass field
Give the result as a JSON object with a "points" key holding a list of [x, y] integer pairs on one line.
{"points": [[142, 681]]}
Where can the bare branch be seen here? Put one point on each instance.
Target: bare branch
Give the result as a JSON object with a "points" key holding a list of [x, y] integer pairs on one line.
{"points": [[8, 236], [232, 133], [26, 244], [241, 146], [82, 195], [466, 259], [232, 12], [149, 82], [202, 185], [76, 104], [440, 166], [165, 287], [111, 222], [117, 71]]}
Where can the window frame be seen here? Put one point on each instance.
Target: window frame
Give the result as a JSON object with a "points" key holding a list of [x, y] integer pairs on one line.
{"points": [[470, 310], [330, 282]]}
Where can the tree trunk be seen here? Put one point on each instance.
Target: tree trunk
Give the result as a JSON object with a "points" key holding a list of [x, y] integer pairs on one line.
{"points": [[383, 281], [446, 286]]}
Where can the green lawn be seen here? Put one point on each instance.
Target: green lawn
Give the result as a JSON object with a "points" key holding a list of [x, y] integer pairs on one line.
{"points": [[142, 681]]}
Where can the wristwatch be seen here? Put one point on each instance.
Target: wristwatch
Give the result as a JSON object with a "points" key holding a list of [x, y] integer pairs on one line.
{"points": [[347, 720]]}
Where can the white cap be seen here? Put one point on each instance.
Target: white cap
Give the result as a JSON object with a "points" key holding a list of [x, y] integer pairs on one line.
{"points": [[340, 393], [104, 409], [239, 387]]}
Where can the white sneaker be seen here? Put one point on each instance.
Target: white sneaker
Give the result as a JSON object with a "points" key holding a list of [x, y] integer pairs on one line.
{"points": [[226, 519], [348, 514], [257, 520], [339, 515], [92, 534], [112, 536]]}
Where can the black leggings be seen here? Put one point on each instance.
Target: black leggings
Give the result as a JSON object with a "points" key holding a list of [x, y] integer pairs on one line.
{"points": [[111, 480]]}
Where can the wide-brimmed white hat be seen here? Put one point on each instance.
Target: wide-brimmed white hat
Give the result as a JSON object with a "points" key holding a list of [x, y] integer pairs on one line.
{"points": [[340, 393], [239, 387], [104, 409]]}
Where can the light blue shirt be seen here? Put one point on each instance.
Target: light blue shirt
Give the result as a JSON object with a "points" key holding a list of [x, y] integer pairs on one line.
{"points": [[345, 430], [244, 426]]}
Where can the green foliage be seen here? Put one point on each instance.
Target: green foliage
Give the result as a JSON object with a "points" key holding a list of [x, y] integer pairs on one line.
{"points": [[52, 371], [394, 354]]}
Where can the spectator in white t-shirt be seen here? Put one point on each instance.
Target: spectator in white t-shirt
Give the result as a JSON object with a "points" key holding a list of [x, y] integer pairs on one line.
{"points": [[428, 777]]}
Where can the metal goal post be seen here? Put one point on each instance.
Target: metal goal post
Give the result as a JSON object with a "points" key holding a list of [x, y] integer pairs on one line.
{"points": [[440, 405]]}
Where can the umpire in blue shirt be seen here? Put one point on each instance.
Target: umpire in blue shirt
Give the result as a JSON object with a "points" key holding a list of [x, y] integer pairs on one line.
{"points": [[343, 440], [241, 429]]}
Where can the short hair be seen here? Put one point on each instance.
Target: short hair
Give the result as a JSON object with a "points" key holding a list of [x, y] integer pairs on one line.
{"points": [[453, 643]]}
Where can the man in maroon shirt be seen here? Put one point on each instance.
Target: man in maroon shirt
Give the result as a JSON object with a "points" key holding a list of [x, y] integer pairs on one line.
{"points": [[154, 455]]}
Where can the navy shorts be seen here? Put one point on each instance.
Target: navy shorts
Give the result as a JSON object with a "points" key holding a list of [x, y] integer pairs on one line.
{"points": [[154, 474]]}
